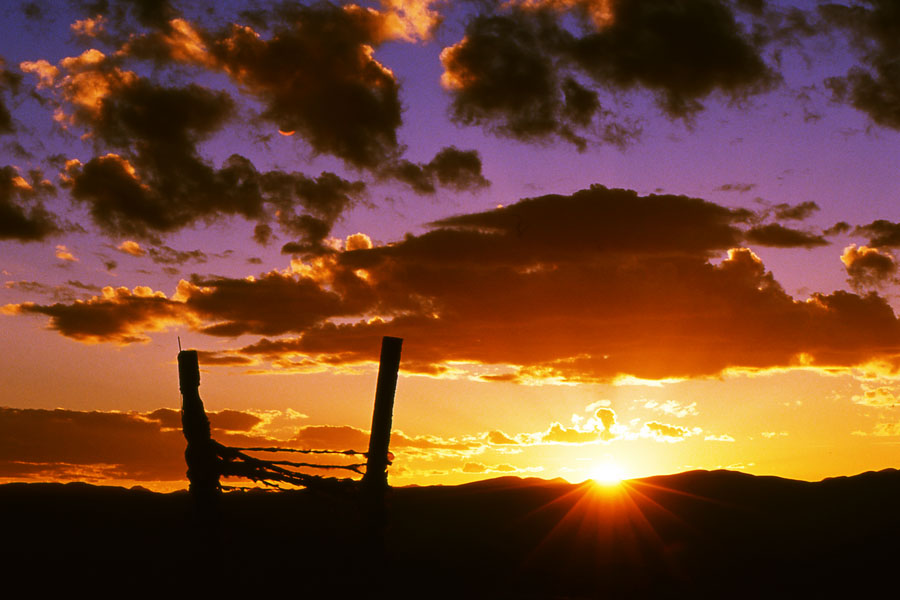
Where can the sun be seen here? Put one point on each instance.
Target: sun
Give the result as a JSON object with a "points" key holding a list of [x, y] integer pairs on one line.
{"points": [[607, 473]]}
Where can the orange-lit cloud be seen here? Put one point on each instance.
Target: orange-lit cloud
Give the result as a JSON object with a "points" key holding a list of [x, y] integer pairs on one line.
{"points": [[120, 315], [672, 407], [131, 247], [665, 433], [102, 446], [610, 282], [63, 253], [410, 20], [474, 467], [867, 267], [881, 397], [336, 95], [23, 216]]}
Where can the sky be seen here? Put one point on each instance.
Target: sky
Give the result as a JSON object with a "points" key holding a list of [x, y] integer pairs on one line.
{"points": [[638, 237]]}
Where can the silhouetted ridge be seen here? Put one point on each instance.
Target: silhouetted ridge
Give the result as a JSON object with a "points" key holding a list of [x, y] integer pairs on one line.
{"points": [[701, 534]]}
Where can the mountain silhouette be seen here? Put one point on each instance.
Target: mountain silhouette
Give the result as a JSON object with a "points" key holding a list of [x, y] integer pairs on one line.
{"points": [[700, 534]]}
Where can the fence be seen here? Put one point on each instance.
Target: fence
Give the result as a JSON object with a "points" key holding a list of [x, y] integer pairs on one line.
{"points": [[208, 460]]}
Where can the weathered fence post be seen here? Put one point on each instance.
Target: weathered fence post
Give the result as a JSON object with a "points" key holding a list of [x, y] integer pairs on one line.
{"points": [[375, 479], [200, 456]]}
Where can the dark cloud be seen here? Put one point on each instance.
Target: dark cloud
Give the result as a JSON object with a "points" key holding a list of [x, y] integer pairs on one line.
{"points": [[780, 236], [269, 305], [33, 10], [868, 268], [149, 13], [523, 74], [262, 233], [457, 169], [9, 81], [735, 187], [583, 287], [86, 445], [503, 76], [93, 445], [839, 228], [154, 180], [160, 183], [682, 50], [797, 212], [590, 223], [881, 233], [170, 256], [119, 315], [220, 359], [22, 213], [874, 86], [316, 75], [59, 293], [324, 199]]}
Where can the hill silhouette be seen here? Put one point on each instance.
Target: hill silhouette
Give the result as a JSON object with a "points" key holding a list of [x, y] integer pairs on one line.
{"points": [[695, 534]]}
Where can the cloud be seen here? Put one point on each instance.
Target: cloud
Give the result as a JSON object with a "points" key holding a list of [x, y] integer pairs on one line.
{"points": [[22, 214], [881, 397], [664, 433], [560, 434], [63, 253], [522, 73], [607, 417], [131, 247], [610, 282], [119, 315], [69, 444], [93, 445], [874, 85], [153, 179], [411, 20], [332, 91], [868, 267], [683, 50], [881, 233], [672, 407], [502, 76], [780, 236], [736, 187], [457, 169], [474, 467], [9, 81], [886, 430], [798, 212], [324, 198], [68, 292], [500, 438]]}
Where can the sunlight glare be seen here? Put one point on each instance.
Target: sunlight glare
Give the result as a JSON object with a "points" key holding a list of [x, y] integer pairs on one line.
{"points": [[607, 474]]}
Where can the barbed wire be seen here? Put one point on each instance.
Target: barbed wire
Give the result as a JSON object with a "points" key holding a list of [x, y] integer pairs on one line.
{"points": [[303, 451], [234, 462]]}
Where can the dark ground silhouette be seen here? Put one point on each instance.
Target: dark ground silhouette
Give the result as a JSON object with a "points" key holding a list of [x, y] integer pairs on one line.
{"points": [[698, 534]]}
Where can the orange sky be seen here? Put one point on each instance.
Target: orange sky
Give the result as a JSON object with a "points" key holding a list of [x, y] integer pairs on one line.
{"points": [[658, 235]]}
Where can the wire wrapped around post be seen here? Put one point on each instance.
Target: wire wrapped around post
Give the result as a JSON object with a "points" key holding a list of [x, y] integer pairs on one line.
{"points": [[200, 454]]}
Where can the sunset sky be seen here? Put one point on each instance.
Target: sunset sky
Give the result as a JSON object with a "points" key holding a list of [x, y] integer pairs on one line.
{"points": [[645, 236]]}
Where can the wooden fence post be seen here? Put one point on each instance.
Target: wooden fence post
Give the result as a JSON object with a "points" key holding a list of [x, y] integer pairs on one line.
{"points": [[200, 456], [375, 478]]}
